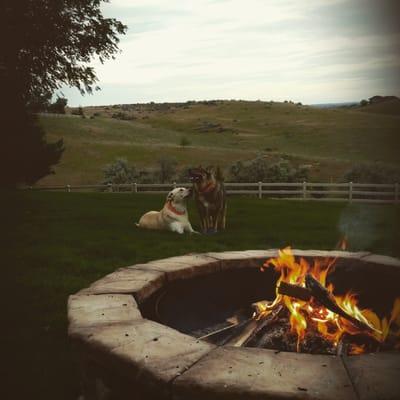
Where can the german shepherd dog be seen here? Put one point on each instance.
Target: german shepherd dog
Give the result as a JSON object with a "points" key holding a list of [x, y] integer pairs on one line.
{"points": [[210, 197]]}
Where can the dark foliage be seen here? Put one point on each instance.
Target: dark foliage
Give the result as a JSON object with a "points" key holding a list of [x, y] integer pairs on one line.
{"points": [[27, 156], [44, 44], [372, 173], [58, 107], [262, 170]]}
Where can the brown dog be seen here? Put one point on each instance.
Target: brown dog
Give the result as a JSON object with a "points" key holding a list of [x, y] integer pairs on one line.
{"points": [[210, 196]]}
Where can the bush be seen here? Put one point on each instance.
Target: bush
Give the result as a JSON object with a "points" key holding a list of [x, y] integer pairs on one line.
{"points": [[122, 116], [58, 107], [167, 169], [185, 142], [78, 111], [260, 170], [372, 173], [119, 172]]}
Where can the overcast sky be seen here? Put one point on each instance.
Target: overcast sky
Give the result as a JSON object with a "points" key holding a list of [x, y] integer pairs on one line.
{"points": [[313, 51]]}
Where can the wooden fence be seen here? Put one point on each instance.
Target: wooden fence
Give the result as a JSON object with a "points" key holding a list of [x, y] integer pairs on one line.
{"points": [[351, 192]]}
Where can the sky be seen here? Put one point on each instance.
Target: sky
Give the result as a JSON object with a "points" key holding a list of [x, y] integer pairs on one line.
{"points": [[312, 51]]}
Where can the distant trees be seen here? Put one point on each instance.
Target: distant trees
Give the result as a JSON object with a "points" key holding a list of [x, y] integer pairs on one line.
{"points": [[44, 44], [363, 103]]}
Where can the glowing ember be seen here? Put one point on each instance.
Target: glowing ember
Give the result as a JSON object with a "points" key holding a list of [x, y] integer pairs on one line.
{"points": [[305, 315]]}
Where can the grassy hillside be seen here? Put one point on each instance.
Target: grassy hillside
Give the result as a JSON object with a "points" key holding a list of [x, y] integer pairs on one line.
{"points": [[390, 107], [222, 132]]}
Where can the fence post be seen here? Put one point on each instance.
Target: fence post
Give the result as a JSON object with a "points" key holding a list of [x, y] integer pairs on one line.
{"points": [[135, 187], [304, 190], [110, 188], [68, 187], [396, 192], [259, 190], [350, 192], [173, 185]]}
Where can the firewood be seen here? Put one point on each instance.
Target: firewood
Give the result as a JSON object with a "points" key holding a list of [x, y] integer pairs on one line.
{"points": [[343, 346], [265, 321], [325, 298], [241, 335], [209, 335], [296, 291]]}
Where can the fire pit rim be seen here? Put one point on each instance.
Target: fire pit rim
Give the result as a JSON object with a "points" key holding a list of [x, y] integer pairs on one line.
{"points": [[105, 321]]}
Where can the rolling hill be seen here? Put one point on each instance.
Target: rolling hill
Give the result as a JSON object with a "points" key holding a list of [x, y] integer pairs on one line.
{"points": [[220, 132]]}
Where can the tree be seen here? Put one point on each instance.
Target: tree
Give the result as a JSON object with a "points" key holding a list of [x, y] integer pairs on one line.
{"points": [[58, 107], [45, 44]]}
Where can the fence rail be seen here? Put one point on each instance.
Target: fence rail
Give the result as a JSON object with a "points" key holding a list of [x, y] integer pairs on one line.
{"points": [[351, 192]]}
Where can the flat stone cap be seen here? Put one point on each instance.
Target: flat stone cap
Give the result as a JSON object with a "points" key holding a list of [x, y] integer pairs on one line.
{"points": [[248, 373]]}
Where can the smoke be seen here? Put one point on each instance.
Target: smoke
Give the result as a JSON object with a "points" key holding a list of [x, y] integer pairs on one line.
{"points": [[361, 225]]}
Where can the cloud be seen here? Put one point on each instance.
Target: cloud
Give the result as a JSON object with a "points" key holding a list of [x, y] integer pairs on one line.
{"points": [[314, 51]]}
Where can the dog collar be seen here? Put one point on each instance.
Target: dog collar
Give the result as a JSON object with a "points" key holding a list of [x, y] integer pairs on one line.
{"points": [[174, 210], [208, 188]]}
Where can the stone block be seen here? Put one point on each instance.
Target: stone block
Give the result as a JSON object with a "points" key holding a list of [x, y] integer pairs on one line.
{"points": [[243, 259], [247, 373], [138, 282], [375, 376], [183, 267], [92, 310], [382, 260], [149, 354]]}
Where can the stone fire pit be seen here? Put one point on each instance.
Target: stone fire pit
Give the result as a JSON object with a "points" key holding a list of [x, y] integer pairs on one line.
{"points": [[125, 356]]}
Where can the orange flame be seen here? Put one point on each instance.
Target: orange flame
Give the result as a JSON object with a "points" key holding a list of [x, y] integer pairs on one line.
{"points": [[330, 325]]}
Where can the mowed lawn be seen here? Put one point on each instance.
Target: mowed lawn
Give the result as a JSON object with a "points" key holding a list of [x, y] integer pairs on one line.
{"points": [[57, 243]]}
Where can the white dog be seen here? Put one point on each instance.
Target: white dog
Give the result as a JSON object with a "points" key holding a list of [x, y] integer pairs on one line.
{"points": [[173, 217]]}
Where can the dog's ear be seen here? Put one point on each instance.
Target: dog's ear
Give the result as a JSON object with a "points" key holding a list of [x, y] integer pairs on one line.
{"points": [[209, 171], [170, 196]]}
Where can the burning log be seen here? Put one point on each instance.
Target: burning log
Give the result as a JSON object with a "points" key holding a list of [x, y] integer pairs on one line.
{"points": [[325, 298], [322, 296], [299, 292]]}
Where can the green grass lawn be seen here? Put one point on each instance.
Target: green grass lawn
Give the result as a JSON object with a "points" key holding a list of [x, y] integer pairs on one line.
{"points": [[57, 243]]}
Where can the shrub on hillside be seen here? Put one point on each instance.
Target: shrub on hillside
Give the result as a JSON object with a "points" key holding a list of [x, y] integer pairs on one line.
{"points": [[58, 107], [184, 142], [122, 116], [119, 172], [261, 170], [167, 170], [78, 111], [372, 173]]}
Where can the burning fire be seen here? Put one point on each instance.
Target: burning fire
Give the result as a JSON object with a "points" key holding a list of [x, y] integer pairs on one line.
{"points": [[329, 324]]}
